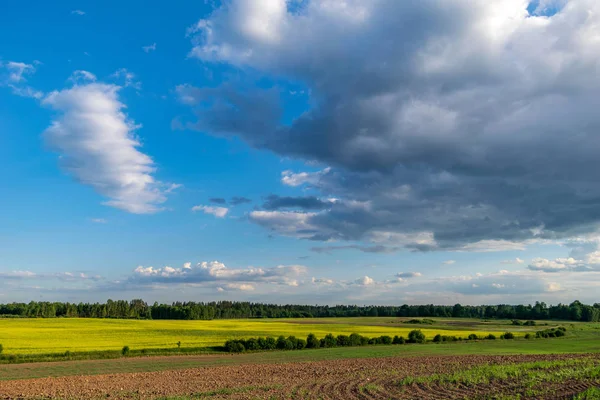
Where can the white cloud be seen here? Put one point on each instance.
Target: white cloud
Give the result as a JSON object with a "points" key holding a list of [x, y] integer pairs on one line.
{"points": [[81, 75], [293, 179], [128, 78], [26, 91], [98, 146], [219, 212], [150, 48], [288, 223], [240, 286], [99, 220], [513, 261], [449, 262], [365, 281], [18, 70], [216, 273], [78, 12]]}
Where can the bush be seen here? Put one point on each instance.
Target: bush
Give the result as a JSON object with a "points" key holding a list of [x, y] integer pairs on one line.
{"points": [[300, 344], [1, 349], [559, 333], [472, 336], [386, 339], [398, 340], [437, 338], [508, 335], [517, 322], [416, 336], [252, 345], [355, 340], [328, 341], [528, 336], [270, 343], [293, 342], [491, 337], [530, 323], [449, 339], [343, 340], [235, 346], [286, 344], [364, 340], [67, 354], [125, 350], [312, 342]]}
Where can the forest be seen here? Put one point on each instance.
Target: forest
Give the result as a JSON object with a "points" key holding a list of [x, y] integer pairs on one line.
{"points": [[139, 309]]}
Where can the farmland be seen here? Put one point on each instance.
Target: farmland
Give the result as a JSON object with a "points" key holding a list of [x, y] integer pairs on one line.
{"points": [[509, 369], [57, 335]]}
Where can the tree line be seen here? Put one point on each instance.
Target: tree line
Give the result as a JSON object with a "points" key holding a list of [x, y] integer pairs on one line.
{"points": [[139, 309]]}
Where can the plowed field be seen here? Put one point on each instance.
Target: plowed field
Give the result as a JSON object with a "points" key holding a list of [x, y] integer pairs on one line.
{"points": [[542, 377]]}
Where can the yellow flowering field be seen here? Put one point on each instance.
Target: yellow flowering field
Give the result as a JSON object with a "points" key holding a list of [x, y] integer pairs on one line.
{"points": [[57, 335]]}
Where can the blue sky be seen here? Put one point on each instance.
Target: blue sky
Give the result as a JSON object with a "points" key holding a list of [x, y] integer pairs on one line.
{"points": [[300, 151]]}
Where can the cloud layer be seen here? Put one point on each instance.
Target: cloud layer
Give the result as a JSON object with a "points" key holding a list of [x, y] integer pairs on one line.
{"points": [[476, 123]]}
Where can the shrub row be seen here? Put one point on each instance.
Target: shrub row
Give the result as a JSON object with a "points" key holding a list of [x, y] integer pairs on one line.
{"points": [[312, 342], [521, 323]]}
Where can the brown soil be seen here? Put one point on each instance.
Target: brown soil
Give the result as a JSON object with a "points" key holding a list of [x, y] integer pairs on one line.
{"points": [[374, 378]]}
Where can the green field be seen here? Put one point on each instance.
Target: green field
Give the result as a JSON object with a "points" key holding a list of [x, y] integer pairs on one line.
{"points": [[57, 335]]}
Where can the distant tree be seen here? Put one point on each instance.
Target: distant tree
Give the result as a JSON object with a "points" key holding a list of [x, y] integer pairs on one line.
{"points": [[270, 343], [386, 339], [399, 340], [281, 343], [179, 344], [437, 338], [472, 336], [343, 340], [508, 335], [416, 336], [300, 344], [312, 342], [355, 339], [125, 350], [252, 344], [1, 348], [329, 341], [491, 337]]}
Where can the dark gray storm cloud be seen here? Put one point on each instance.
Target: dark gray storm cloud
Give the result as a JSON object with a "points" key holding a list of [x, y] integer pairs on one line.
{"points": [[235, 201], [446, 123], [275, 202]]}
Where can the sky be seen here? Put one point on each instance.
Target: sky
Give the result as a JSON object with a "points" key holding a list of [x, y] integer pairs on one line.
{"points": [[300, 151]]}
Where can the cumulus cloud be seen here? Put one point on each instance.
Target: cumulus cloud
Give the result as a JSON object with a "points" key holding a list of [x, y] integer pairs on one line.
{"points": [[98, 146], [219, 212], [446, 129], [215, 272], [513, 261], [365, 281]]}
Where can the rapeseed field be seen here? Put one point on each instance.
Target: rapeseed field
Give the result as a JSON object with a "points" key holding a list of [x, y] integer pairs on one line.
{"points": [[57, 335]]}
